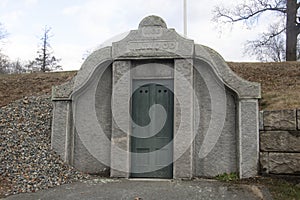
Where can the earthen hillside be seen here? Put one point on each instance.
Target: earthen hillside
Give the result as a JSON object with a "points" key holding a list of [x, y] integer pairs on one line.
{"points": [[17, 86], [280, 83]]}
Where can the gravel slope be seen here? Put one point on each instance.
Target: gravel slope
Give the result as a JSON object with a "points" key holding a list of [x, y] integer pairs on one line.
{"points": [[27, 163]]}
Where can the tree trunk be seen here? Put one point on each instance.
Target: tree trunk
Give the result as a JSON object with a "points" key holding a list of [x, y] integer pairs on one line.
{"points": [[44, 52], [291, 30]]}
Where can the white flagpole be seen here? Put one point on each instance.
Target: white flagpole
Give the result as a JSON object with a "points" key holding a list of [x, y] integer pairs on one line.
{"points": [[184, 19]]}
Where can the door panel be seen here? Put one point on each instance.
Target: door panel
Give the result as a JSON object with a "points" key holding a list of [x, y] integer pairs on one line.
{"points": [[158, 162]]}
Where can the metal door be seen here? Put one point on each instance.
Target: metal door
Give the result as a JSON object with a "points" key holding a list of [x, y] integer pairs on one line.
{"points": [[151, 140]]}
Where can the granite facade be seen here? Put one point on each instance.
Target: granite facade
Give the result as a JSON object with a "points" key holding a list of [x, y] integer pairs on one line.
{"points": [[215, 111]]}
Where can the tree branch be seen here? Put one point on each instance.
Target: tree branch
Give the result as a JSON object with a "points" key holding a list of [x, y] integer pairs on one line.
{"points": [[241, 18], [245, 11], [272, 35]]}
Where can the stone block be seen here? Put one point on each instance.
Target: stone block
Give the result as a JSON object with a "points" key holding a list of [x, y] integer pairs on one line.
{"points": [[183, 119], [120, 122], [249, 136], [298, 119], [85, 162], [280, 120], [264, 162], [261, 120], [284, 163], [63, 91], [59, 128], [280, 141], [159, 70]]}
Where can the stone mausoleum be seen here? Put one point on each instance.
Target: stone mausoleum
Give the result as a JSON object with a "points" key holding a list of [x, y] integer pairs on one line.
{"points": [[157, 105]]}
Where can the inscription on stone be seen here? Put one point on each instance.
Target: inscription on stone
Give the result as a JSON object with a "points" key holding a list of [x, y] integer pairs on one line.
{"points": [[152, 32], [152, 46]]}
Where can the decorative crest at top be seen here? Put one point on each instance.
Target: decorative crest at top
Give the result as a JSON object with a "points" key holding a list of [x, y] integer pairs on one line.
{"points": [[152, 20]]}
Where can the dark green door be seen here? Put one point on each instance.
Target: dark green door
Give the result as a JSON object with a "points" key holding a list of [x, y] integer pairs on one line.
{"points": [[151, 140]]}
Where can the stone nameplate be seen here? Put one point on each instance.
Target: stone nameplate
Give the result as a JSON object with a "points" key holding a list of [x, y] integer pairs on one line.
{"points": [[152, 32], [153, 39], [150, 46]]}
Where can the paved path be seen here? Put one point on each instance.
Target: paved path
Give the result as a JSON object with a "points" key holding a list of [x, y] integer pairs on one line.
{"points": [[147, 189]]}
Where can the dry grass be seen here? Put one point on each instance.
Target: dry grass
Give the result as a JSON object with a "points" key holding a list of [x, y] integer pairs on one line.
{"points": [[16, 86], [280, 82]]}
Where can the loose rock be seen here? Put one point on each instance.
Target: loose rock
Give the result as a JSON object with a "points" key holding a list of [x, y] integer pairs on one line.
{"points": [[27, 163]]}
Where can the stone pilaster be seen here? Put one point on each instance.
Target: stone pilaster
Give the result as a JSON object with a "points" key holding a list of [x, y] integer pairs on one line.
{"points": [[248, 137], [120, 149], [183, 111]]}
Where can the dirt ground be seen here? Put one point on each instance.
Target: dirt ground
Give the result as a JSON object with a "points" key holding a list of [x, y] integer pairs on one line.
{"points": [[280, 83], [17, 86]]}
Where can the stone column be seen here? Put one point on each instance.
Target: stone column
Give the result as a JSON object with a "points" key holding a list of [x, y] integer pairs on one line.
{"points": [[69, 148], [183, 118], [60, 128], [248, 114], [120, 148]]}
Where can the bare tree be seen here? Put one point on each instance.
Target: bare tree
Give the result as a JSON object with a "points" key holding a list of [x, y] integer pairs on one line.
{"points": [[269, 46], [3, 32], [4, 61], [45, 60], [292, 29], [8, 66], [4, 64], [280, 38]]}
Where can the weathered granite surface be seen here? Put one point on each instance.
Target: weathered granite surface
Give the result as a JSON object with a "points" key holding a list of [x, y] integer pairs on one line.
{"points": [[121, 119], [284, 163], [280, 142], [242, 87], [264, 162], [285, 141], [85, 162], [298, 119], [63, 91], [261, 120], [183, 137], [153, 39], [90, 65], [214, 133], [248, 138], [58, 130], [280, 120], [91, 144]]}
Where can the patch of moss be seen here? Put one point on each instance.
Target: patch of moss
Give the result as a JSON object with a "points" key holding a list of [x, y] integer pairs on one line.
{"points": [[227, 177]]}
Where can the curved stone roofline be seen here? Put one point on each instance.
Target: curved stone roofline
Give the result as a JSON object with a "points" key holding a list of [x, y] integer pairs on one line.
{"points": [[157, 31], [93, 61], [244, 89]]}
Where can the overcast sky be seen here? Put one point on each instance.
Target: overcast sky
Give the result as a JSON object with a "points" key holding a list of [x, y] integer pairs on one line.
{"points": [[82, 25]]}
